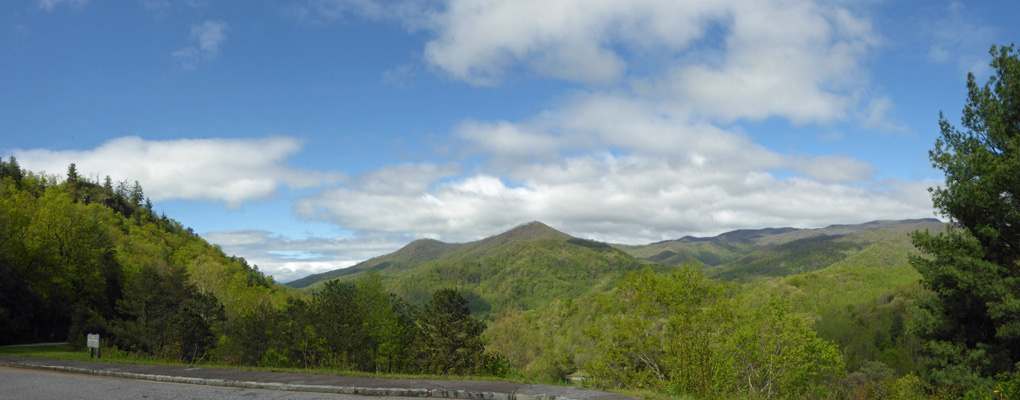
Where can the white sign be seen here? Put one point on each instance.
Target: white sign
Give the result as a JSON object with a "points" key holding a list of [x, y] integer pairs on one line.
{"points": [[93, 341]]}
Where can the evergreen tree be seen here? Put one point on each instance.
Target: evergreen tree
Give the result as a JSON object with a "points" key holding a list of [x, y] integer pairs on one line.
{"points": [[13, 170], [450, 338], [137, 195], [72, 173], [972, 323]]}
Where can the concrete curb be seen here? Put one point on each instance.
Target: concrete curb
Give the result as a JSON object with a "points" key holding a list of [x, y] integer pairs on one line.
{"points": [[531, 392]]}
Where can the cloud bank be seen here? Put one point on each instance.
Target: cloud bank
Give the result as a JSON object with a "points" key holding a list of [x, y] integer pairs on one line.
{"points": [[230, 171]]}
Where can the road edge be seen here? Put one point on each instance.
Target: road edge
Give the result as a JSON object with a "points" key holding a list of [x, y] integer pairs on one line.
{"points": [[441, 393]]}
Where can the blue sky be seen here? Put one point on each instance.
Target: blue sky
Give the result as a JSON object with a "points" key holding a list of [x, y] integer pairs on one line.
{"points": [[308, 135]]}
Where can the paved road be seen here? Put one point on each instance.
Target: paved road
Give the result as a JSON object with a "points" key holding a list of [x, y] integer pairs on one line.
{"points": [[19, 383]]}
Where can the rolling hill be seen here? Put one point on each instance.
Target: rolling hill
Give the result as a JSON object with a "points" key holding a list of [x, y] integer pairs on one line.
{"points": [[746, 255]]}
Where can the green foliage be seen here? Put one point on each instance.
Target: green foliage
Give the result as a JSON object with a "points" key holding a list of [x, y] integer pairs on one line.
{"points": [[971, 325], [450, 339], [71, 255], [777, 354], [689, 335], [167, 316], [545, 344], [358, 326]]}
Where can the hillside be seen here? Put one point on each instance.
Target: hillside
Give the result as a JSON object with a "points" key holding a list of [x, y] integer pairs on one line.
{"points": [[524, 267], [410, 256], [746, 255], [77, 255]]}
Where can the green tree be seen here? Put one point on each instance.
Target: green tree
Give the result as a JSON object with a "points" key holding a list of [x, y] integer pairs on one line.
{"points": [[450, 340], [776, 354], [166, 315], [72, 173], [137, 194], [971, 323], [193, 327], [12, 170], [340, 321], [658, 333], [688, 335]]}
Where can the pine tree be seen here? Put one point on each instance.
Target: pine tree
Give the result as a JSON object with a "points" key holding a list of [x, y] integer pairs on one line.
{"points": [[971, 326], [72, 173]]}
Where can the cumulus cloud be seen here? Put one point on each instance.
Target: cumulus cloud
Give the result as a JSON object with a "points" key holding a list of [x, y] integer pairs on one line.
{"points": [[631, 199], [288, 259], [509, 139], [227, 170], [725, 60], [803, 68], [208, 36]]}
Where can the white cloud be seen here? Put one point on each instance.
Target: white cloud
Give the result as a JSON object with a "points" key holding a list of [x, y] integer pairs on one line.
{"points": [[504, 138], [876, 116], [832, 169], [803, 68], [289, 259], [721, 60], [50, 5], [208, 36], [227, 170], [633, 199]]}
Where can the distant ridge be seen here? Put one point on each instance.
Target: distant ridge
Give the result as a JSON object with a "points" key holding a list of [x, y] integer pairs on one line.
{"points": [[422, 251], [736, 255], [748, 254]]}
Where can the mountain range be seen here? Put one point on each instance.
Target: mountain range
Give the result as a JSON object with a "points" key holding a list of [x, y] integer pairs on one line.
{"points": [[534, 263]]}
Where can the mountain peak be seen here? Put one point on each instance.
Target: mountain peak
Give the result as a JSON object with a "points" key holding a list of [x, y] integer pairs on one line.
{"points": [[531, 231]]}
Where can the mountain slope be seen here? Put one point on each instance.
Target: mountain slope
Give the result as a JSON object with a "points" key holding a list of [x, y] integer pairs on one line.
{"points": [[750, 254], [524, 268], [77, 254], [410, 256]]}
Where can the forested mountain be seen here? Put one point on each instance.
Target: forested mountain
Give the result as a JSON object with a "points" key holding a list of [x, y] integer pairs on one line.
{"points": [[742, 255], [746, 255], [524, 267]]}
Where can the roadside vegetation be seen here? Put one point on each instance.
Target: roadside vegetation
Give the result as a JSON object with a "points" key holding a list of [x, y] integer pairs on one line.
{"points": [[881, 314]]}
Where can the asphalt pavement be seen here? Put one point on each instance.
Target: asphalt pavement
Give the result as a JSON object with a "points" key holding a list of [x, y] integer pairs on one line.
{"points": [[317, 383], [37, 384]]}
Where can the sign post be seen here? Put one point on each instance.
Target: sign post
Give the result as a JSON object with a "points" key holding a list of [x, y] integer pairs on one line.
{"points": [[92, 341]]}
